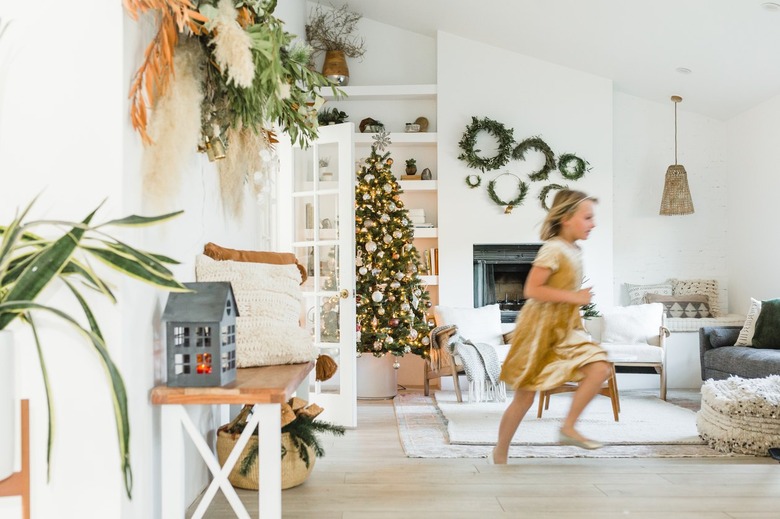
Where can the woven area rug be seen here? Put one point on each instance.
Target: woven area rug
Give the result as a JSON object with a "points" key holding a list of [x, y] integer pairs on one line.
{"points": [[644, 420], [423, 433]]}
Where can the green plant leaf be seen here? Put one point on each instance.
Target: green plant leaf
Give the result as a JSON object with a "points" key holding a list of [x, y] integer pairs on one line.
{"points": [[140, 221], [137, 270]]}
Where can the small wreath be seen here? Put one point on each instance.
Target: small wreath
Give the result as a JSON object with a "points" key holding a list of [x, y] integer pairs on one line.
{"points": [[469, 140], [522, 191], [572, 173], [473, 181], [546, 190], [536, 143]]}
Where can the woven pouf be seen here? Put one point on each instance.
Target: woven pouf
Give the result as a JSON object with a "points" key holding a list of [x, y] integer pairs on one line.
{"points": [[741, 415]]}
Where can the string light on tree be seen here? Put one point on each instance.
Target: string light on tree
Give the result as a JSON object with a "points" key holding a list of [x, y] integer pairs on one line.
{"points": [[393, 303]]}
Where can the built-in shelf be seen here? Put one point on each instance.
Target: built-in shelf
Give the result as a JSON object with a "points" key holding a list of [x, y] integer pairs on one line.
{"points": [[400, 138], [384, 92], [418, 185], [430, 280], [426, 232]]}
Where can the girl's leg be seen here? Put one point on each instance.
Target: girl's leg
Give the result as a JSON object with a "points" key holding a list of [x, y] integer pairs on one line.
{"points": [[595, 375], [510, 421]]}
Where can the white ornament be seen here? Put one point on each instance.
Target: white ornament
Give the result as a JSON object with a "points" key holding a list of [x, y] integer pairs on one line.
{"points": [[366, 197], [399, 276], [387, 188], [425, 341], [387, 238], [363, 271], [397, 234], [384, 218], [413, 334], [389, 340], [405, 307], [397, 364], [370, 246], [395, 284], [377, 296]]}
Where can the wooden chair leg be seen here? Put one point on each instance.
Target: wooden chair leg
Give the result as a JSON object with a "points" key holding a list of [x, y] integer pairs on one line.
{"points": [[542, 396], [456, 382], [18, 483], [613, 396]]}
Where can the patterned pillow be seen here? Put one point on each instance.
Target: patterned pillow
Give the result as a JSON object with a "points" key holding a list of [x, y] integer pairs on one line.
{"points": [[749, 328], [636, 293], [704, 287], [691, 306]]}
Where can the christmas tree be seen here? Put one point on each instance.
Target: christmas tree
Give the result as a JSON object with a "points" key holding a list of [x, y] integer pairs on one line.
{"points": [[391, 299]]}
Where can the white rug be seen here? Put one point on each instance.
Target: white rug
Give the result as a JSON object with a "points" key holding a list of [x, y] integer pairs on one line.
{"points": [[644, 420], [423, 433]]}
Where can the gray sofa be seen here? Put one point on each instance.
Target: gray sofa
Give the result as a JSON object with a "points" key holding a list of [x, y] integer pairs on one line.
{"points": [[720, 358]]}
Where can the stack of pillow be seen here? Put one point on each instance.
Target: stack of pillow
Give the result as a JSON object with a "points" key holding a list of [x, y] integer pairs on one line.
{"points": [[682, 298]]}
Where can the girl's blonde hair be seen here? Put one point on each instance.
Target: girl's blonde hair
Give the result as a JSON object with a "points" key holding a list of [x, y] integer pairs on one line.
{"points": [[564, 204]]}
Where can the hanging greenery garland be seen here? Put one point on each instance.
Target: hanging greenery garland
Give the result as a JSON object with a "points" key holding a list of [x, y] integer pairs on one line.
{"points": [[544, 192], [537, 144], [522, 191], [471, 156], [473, 181], [572, 172]]}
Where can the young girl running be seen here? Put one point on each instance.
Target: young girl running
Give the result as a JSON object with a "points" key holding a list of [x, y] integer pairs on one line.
{"points": [[549, 344]]}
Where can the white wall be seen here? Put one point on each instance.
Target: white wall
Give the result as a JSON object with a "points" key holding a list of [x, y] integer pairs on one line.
{"points": [[65, 131], [753, 179], [651, 248], [570, 110]]}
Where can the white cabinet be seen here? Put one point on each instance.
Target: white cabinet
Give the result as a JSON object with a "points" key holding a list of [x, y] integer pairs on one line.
{"points": [[394, 106]]}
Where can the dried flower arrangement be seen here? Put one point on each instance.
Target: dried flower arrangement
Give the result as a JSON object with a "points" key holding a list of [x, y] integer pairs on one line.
{"points": [[333, 29], [238, 72]]}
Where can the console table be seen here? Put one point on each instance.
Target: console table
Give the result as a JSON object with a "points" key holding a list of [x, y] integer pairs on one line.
{"points": [[266, 388]]}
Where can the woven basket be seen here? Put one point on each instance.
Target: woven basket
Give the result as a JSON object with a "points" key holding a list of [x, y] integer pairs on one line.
{"points": [[294, 471]]}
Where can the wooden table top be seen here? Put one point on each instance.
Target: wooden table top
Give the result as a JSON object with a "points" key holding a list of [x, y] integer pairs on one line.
{"points": [[262, 385]]}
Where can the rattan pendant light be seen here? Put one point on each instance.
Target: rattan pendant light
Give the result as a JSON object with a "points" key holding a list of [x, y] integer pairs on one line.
{"points": [[676, 199]]}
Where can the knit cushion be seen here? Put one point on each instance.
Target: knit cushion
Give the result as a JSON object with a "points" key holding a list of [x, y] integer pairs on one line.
{"points": [[704, 287], [270, 302], [214, 251], [636, 293]]}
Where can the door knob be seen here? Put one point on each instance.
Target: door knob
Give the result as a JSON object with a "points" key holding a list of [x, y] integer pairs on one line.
{"points": [[344, 293]]}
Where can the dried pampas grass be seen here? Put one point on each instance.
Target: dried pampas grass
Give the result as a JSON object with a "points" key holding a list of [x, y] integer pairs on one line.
{"points": [[232, 46], [174, 127], [250, 160]]}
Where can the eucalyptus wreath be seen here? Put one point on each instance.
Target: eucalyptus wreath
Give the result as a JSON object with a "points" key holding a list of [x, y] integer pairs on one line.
{"points": [[502, 134], [574, 172], [522, 191], [536, 143], [546, 190], [473, 181]]}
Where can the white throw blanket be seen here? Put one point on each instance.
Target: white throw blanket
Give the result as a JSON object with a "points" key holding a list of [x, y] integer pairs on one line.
{"points": [[482, 370]]}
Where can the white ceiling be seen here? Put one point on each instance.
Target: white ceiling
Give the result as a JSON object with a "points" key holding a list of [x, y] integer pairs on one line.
{"points": [[731, 46]]}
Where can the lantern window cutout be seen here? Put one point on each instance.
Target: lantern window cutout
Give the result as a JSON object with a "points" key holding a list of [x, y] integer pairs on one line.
{"points": [[201, 335]]}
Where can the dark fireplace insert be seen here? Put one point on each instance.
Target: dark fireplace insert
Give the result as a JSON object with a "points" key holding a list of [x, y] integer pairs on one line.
{"points": [[500, 272]]}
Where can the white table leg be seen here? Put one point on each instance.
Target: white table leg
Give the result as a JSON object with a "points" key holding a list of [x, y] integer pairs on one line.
{"points": [[270, 459], [172, 459]]}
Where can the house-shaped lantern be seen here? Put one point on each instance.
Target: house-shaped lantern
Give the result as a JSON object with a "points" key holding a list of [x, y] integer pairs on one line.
{"points": [[200, 331]]}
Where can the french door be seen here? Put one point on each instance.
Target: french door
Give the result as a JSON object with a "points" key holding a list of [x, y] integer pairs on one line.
{"points": [[318, 199]]}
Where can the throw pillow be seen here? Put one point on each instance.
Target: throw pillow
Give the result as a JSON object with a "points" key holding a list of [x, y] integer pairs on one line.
{"points": [[767, 333], [269, 303], [475, 324], [748, 329], [635, 324], [636, 293], [214, 251], [705, 287], [691, 306], [720, 337]]}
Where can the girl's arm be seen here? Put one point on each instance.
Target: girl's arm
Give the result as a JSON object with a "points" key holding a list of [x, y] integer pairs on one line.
{"points": [[536, 288]]}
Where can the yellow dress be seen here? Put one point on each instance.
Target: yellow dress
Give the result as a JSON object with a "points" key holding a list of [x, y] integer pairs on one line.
{"points": [[550, 344]]}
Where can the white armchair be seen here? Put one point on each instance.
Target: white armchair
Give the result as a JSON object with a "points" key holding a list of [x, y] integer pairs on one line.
{"points": [[635, 339]]}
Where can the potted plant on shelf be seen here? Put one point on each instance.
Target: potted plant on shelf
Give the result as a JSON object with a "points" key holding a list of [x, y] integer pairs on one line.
{"points": [[331, 116], [30, 262], [411, 166], [331, 30], [300, 444]]}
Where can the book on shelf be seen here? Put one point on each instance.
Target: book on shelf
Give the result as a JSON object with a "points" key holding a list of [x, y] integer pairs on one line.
{"points": [[430, 262], [426, 225]]}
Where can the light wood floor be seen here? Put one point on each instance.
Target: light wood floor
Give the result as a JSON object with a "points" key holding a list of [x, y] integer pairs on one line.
{"points": [[366, 475]]}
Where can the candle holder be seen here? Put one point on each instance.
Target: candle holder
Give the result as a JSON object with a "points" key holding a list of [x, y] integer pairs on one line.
{"points": [[201, 335]]}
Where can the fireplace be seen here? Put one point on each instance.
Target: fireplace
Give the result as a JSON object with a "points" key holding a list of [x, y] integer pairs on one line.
{"points": [[500, 272]]}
